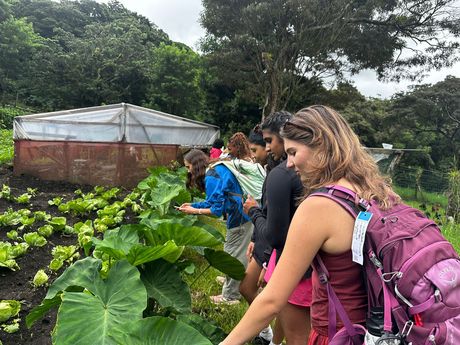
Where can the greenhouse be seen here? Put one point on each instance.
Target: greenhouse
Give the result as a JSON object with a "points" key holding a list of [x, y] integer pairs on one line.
{"points": [[109, 145]]}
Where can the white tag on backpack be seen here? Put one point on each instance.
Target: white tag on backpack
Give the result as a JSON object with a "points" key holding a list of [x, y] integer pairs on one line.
{"points": [[359, 235]]}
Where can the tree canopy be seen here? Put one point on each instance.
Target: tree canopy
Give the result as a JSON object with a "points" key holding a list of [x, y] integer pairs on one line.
{"points": [[276, 43], [258, 56]]}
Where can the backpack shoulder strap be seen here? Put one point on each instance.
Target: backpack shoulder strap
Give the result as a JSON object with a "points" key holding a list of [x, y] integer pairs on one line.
{"points": [[345, 197]]}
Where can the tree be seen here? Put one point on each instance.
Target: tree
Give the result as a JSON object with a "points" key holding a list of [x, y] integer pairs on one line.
{"points": [[429, 117], [175, 75], [266, 47], [91, 54], [18, 41]]}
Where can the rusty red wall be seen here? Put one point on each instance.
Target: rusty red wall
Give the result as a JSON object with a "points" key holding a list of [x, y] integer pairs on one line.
{"points": [[106, 164]]}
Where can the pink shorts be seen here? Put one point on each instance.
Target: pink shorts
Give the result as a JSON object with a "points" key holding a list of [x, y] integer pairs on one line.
{"points": [[301, 295]]}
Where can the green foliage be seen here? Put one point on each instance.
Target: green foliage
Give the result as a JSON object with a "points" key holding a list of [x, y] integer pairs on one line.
{"points": [[40, 278], [175, 80], [161, 331], [428, 117], [407, 194], [107, 304], [453, 195], [7, 115], [265, 48], [6, 146], [164, 284], [9, 309], [452, 232]]}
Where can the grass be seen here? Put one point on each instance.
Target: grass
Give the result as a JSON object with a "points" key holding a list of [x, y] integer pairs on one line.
{"points": [[452, 234], [203, 284], [6, 146], [408, 194]]}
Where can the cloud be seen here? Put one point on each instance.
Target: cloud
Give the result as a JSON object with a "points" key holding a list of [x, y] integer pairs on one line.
{"points": [[366, 82], [178, 18]]}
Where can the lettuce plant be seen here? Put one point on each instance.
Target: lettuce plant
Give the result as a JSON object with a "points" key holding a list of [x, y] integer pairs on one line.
{"points": [[9, 309], [34, 239], [40, 278]]}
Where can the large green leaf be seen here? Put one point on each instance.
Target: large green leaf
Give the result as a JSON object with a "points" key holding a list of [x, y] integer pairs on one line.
{"points": [[158, 330], [213, 231], [139, 254], [39, 311], [89, 317], [225, 263], [164, 193], [164, 283], [184, 236], [207, 328], [82, 273], [117, 242]]}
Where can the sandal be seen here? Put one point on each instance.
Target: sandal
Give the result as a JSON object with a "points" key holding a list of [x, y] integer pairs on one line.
{"points": [[219, 299]]}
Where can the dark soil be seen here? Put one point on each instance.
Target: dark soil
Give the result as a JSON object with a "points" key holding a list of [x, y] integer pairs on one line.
{"points": [[18, 285]]}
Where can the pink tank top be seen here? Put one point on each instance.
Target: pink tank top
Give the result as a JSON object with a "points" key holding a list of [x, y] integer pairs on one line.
{"points": [[347, 279]]}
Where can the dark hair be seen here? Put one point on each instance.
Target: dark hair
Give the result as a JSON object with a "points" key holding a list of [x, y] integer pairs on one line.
{"points": [[199, 161], [256, 137], [218, 143], [240, 141], [275, 121]]}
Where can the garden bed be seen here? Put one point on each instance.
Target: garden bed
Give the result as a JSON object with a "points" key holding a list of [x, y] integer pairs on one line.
{"points": [[17, 285]]}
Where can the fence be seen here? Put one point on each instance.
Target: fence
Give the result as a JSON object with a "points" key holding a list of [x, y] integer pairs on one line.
{"points": [[434, 181]]}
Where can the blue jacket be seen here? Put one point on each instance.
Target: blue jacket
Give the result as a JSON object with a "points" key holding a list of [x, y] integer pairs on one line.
{"points": [[220, 186]]}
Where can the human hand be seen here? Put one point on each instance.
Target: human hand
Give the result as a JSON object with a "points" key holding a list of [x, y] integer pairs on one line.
{"points": [[249, 251], [186, 208], [249, 203], [261, 281]]}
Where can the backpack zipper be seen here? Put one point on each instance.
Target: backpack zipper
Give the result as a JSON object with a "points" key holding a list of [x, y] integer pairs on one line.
{"points": [[387, 246]]}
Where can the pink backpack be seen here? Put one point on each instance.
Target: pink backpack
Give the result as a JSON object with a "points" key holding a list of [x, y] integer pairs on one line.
{"points": [[412, 275]]}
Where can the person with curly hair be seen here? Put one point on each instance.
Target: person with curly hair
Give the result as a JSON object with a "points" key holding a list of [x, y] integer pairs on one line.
{"points": [[223, 195], [238, 147]]}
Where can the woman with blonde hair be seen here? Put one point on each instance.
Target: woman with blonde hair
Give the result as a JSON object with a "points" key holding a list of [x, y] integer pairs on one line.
{"points": [[325, 151]]}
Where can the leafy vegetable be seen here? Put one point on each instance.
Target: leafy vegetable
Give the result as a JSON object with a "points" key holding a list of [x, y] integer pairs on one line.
{"points": [[34, 239], [63, 254], [9, 309], [12, 235], [58, 223], [13, 327], [45, 230], [40, 278]]}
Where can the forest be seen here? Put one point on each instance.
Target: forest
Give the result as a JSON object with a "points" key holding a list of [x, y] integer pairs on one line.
{"points": [[73, 54], [114, 265]]}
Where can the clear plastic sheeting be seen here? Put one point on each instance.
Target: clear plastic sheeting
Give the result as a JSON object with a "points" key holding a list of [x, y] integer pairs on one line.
{"points": [[115, 123], [107, 164]]}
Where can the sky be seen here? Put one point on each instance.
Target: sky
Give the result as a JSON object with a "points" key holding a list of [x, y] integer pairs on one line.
{"points": [[180, 20]]}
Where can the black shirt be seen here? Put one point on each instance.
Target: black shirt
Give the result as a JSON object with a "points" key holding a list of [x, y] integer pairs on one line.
{"points": [[281, 193]]}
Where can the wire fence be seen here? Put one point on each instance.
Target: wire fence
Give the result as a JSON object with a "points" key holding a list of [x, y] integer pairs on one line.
{"points": [[433, 181]]}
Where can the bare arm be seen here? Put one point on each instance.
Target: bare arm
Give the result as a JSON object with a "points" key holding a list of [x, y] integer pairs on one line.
{"points": [[318, 223], [307, 234]]}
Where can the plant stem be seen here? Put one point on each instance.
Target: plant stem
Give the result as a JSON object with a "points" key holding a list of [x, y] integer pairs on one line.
{"points": [[199, 275]]}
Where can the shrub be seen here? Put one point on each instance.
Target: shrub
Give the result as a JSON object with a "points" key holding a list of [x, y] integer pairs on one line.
{"points": [[6, 145]]}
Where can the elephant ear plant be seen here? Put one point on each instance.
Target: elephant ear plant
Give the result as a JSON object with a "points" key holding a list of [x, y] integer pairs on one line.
{"points": [[131, 291]]}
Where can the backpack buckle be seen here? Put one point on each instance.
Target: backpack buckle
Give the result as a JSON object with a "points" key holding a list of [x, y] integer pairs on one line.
{"points": [[363, 203], [407, 328], [323, 278]]}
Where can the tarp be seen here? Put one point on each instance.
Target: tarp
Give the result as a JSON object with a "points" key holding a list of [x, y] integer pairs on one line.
{"points": [[115, 124], [107, 164]]}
